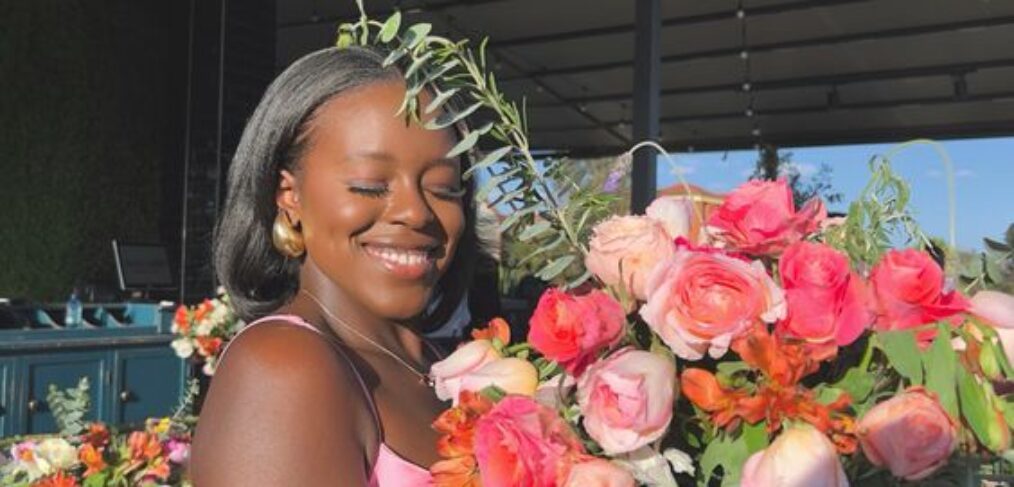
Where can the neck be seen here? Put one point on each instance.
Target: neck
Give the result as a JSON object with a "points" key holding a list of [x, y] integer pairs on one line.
{"points": [[331, 305]]}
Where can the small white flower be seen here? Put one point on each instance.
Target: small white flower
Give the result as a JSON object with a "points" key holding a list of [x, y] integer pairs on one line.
{"points": [[648, 467], [25, 459], [680, 461], [205, 327], [209, 367], [58, 452], [184, 347]]}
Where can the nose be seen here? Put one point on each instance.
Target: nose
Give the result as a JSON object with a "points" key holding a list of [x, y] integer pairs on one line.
{"points": [[408, 206]]}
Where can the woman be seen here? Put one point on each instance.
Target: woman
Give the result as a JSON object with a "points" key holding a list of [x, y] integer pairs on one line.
{"points": [[345, 233]]}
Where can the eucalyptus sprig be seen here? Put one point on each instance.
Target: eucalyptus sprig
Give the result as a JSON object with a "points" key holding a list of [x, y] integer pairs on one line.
{"points": [[549, 210]]}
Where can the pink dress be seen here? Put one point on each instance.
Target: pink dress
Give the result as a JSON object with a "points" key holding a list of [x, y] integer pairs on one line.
{"points": [[389, 468]]}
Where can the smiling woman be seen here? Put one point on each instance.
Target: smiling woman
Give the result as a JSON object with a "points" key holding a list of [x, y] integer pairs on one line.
{"points": [[346, 232]]}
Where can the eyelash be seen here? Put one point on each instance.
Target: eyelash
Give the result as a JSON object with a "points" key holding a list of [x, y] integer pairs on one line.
{"points": [[381, 191]]}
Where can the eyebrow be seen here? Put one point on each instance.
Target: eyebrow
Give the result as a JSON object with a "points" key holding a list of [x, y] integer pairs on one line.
{"points": [[388, 157]]}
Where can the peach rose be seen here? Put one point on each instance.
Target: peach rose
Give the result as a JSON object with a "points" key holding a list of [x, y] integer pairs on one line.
{"points": [[800, 456], [997, 310], [596, 472], [826, 300], [521, 442], [909, 433], [512, 375], [699, 301], [449, 373], [759, 218], [676, 214], [572, 329], [635, 243], [626, 399], [908, 288]]}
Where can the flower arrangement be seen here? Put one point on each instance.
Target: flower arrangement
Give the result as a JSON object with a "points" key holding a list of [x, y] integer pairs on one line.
{"points": [[763, 345], [202, 330], [99, 457]]}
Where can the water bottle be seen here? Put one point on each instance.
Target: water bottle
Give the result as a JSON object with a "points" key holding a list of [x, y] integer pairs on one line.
{"points": [[72, 316]]}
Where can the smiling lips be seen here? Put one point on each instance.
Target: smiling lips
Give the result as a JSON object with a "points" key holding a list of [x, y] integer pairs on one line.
{"points": [[402, 262]]}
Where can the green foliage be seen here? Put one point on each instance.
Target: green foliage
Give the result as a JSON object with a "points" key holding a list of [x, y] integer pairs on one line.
{"points": [[70, 406], [773, 164], [980, 409], [728, 452], [878, 217], [992, 268], [941, 364], [902, 353]]}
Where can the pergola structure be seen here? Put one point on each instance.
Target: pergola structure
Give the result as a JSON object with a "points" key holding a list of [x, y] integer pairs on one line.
{"points": [[599, 75]]}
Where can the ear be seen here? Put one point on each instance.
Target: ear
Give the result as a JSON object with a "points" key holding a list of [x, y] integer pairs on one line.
{"points": [[287, 196]]}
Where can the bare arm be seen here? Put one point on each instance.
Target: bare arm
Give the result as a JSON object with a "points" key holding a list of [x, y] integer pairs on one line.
{"points": [[282, 410]]}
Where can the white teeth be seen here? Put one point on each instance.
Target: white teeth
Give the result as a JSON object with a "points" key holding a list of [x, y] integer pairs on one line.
{"points": [[399, 256]]}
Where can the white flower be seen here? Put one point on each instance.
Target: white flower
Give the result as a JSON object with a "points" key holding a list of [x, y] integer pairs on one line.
{"points": [[24, 459], [58, 452], [680, 461], [648, 467], [209, 367], [184, 347], [205, 327]]}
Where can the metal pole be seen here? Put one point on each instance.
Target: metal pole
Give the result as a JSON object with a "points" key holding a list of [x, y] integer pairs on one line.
{"points": [[647, 89]]}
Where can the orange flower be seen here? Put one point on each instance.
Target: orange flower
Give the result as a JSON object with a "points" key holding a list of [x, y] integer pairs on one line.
{"points": [[181, 320], [57, 480], [91, 458], [160, 470], [208, 346], [457, 425], [203, 310], [97, 435], [143, 446], [496, 328], [784, 363], [725, 405]]}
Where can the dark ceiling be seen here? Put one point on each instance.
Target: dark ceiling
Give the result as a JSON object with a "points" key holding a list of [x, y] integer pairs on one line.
{"points": [[786, 72]]}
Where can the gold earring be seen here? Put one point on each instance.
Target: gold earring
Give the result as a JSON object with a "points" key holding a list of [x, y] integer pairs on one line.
{"points": [[287, 239]]}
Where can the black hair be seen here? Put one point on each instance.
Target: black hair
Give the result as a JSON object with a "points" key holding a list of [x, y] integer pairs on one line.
{"points": [[257, 277]]}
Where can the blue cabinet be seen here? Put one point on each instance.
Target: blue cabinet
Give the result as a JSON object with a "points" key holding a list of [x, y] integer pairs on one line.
{"points": [[122, 349], [63, 370], [6, 397]]}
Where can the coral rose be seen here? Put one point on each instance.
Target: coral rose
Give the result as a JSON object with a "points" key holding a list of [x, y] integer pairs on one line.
{"points": [[572, 329], [635, 244], [908, 289], [827, 304], [759, 218], [596, 472], [799, 457], [449, 373], [523, 443], [699, 301], [909, 433], [512, 375], [626, 399]]}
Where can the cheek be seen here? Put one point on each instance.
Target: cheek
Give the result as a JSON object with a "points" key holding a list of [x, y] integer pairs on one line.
{"points": [[452, 221]]}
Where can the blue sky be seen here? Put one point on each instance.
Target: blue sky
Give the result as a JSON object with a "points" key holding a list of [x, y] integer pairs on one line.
{"points": [[984, 177]]}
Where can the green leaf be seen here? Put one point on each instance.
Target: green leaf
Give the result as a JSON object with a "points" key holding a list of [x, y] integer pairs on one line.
{"points": [[534, 230], [555, 267], [390, 28], [903, 353], [466, 143], [545, 248], [994, 269], [1010, 235], [346, 37], [490, 158], [418, 63], [730, 454], [415, 34], [97, 479], [395, 55], [940, 363], [727, 369], [495, 181], [977, 411], [513, 218], [493, 393], [857, 383], [578, 280], [996, 246], [447, 119], [440, 99], [827, 395]]}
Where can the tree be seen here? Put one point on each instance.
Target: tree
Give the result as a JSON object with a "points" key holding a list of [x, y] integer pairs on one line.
{"points": [[772, 165]]}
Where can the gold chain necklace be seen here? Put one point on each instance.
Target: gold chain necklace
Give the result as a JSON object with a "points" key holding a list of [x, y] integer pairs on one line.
{"points": [[423, 378]]}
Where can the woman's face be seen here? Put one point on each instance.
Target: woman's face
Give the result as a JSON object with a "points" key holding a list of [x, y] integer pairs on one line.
{"points": [[379, 205]]}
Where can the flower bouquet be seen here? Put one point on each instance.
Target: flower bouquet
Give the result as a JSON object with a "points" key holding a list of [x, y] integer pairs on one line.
{"points": [[203, 329], [99, 458], [763, 345]]}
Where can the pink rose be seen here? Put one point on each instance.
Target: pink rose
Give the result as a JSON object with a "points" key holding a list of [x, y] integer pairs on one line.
{"points": [[676, 214], [800, 456], [635, 243], [997, 310], [826, 301], [908, 288], [512, 375], [699, 301], [759, 218], [596, 472], [449, 373], [523, 443], [909, 433], [572, 329], [626, 399]]}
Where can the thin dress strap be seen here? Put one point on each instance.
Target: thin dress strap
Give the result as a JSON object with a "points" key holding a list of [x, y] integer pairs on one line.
{"points": [[296, 320]]}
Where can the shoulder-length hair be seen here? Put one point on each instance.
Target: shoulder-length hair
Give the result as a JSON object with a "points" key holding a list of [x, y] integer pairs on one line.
{"points": [[256, 276]]}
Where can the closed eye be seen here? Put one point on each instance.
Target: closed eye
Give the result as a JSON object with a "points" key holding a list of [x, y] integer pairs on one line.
{"points": [[369, 191], [448, 193]]}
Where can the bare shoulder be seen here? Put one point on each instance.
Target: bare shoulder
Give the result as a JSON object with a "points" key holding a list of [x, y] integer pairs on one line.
{"points": [[283, 409]]}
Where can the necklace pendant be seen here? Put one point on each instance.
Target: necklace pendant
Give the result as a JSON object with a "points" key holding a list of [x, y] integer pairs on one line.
{"points": [[427, 380]]}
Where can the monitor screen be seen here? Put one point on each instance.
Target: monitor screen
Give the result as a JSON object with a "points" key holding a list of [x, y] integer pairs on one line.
{"points": [[142, 266]]}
